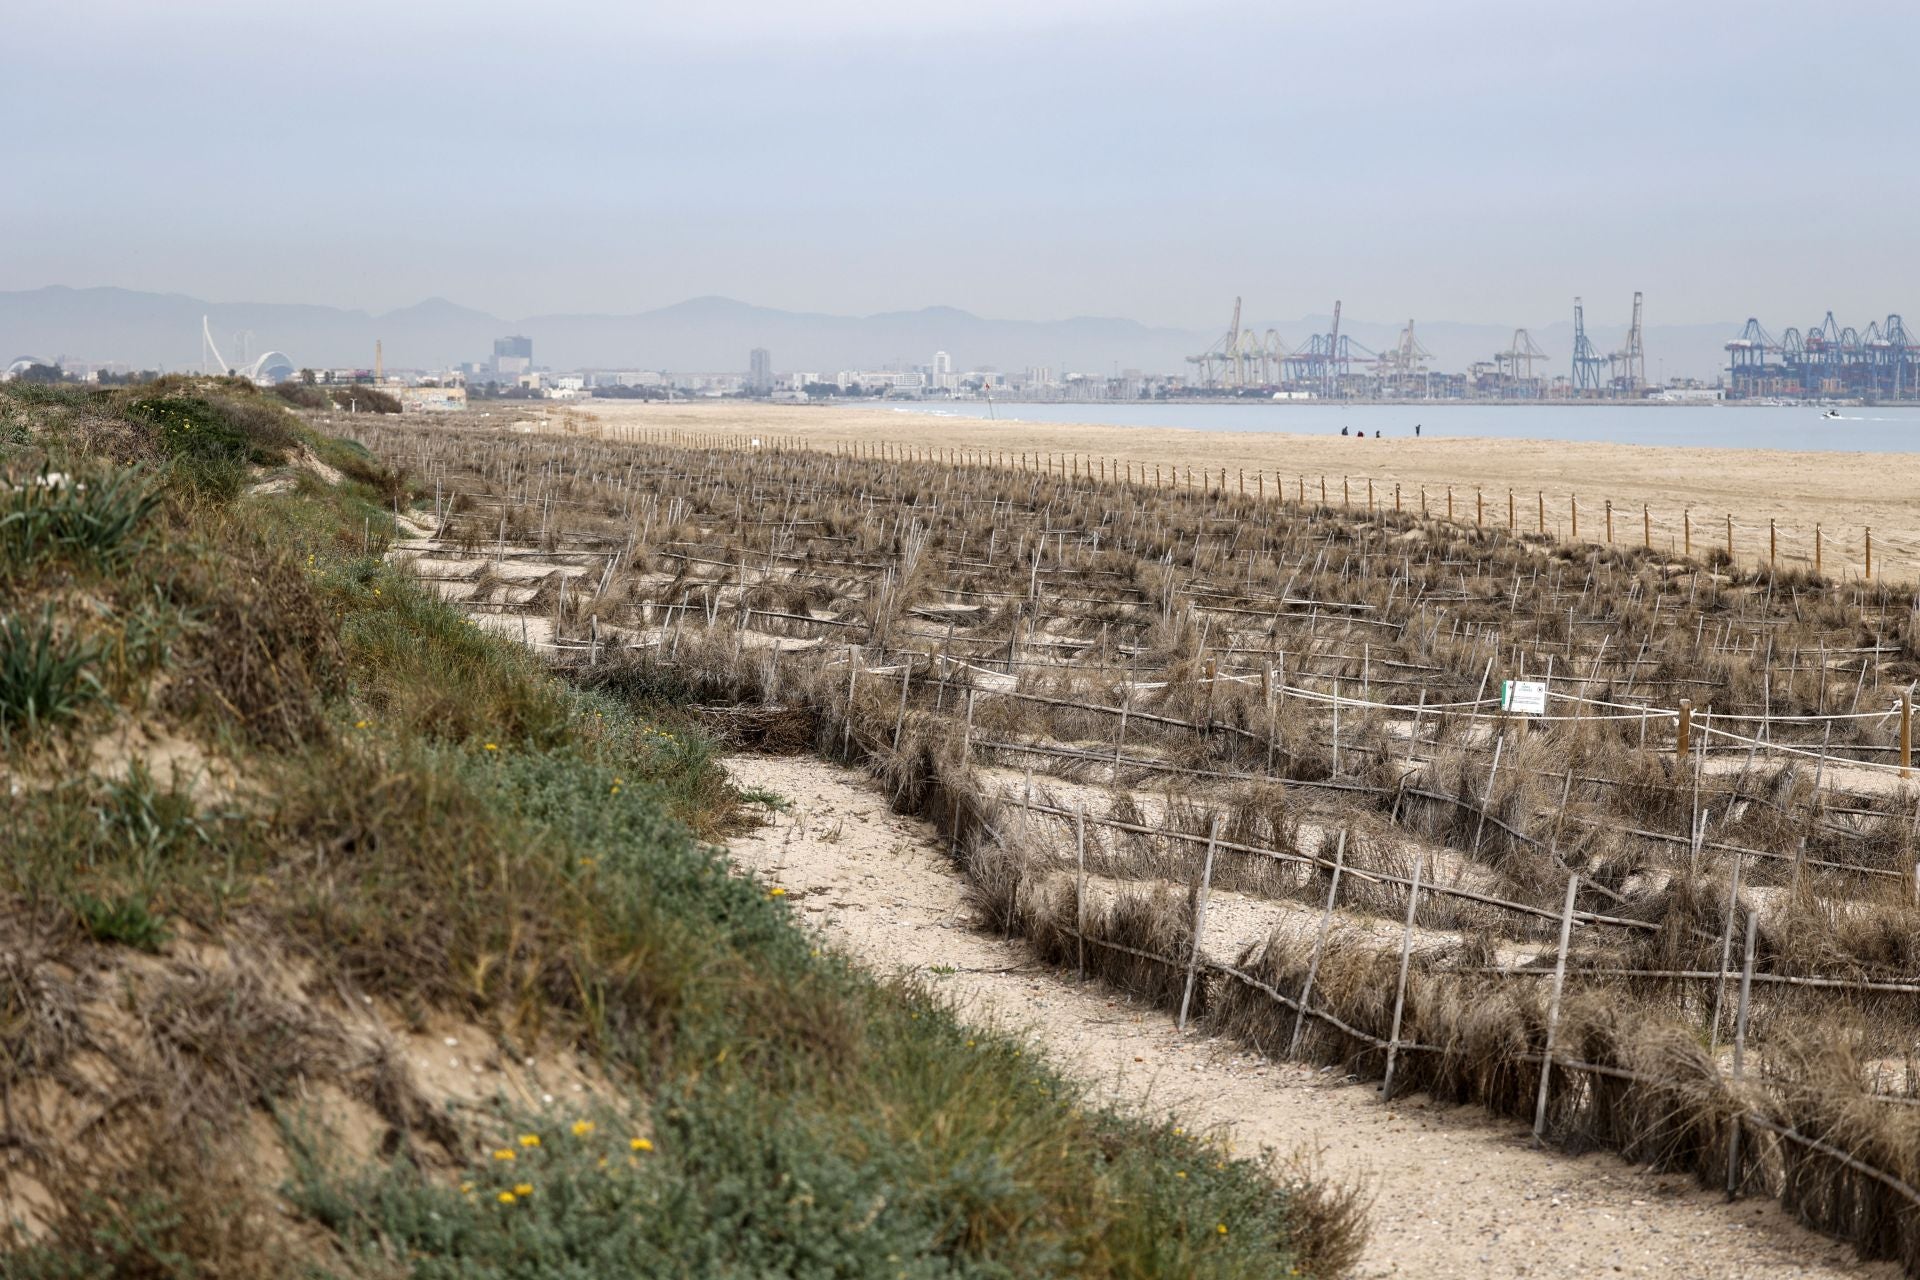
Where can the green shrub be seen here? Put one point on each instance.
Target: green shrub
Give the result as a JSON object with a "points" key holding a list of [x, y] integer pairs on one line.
{"points": [[96, 515], [43, 673], [129, 920]]}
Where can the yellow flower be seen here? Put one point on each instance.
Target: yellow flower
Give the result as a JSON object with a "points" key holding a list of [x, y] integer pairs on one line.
{"points": [[493, 746], [466, 1188], [1179, 1173], [360, 724], [504, 1153], [581, 1128], [506, 1197], [640, 1144], [1221, 1228], [776, 892], [529, 1139], [526, 1189]]}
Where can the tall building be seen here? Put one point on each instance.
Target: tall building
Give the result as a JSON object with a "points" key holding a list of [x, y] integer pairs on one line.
{"points": [[512, 356], [943, 370], [759, 371]]}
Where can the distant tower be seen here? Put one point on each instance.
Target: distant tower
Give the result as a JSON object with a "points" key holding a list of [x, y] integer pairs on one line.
{"points": [[759, 371], [379, 362], [942, 369]]}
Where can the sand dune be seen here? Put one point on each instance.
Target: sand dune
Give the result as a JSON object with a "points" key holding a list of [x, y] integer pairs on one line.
{"points": [[1845, 493]]}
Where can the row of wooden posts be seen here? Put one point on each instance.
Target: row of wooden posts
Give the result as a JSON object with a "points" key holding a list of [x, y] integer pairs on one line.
{"points": [[1123, 471], [1683, 737]]}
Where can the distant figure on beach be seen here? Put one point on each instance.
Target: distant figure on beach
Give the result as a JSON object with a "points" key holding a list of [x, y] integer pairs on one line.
{"points": [[1376, 433], [1416, 428], [1344, 431]]}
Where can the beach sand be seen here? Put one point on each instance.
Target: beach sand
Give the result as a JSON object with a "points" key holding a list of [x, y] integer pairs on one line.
{"points": [[1846, 493]]}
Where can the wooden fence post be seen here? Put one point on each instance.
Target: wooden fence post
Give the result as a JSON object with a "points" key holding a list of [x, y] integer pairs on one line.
{"points": [[1319, 944], [1816, 549], [900, 717], [1729, 535], [1685, 731], [1906, 734], [1726, 954], [1199, 921], [1773, 541], [1510, 524], [1553, 1010], [1449, 502], [1869, 553], [1573, 511], [1646, 526], [1080, 886], [1486, 800], [1541, 497], [1609, 521], [1686, 526], [853, 675], [1400, 989], [1740, 1054], [1479, 507]]}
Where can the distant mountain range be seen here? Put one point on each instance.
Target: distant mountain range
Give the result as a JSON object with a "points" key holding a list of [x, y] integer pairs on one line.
{"points": [[712, 334]]}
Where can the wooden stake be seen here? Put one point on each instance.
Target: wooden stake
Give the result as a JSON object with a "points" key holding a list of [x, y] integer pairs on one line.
{"points": [[1685, 731], [1199, 921], [1486, 800], [1553, 1011], [900, 717], [1726, 953], [1906, 734], [1740, 1053], [1319, 945], [1080, 886], [1400, 989]]}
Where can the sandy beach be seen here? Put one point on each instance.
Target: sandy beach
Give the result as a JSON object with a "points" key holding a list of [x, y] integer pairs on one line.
{"points": [[1845, 493]]}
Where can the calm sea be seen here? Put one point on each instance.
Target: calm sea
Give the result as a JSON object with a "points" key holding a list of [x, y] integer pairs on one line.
{"points": [[1856, 430]]}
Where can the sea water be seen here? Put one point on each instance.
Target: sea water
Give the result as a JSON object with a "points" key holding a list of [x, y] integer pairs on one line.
{"points": [[1855, 430]]}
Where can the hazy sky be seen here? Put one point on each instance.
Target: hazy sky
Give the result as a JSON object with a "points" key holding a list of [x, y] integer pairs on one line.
{"points": [[1019, 158]]}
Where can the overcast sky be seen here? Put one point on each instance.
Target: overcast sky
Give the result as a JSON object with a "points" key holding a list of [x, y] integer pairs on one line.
{"points": [[1028, 159]]}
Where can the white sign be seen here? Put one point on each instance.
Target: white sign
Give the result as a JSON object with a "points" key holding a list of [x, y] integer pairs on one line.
{"points": [[1524, 697]]}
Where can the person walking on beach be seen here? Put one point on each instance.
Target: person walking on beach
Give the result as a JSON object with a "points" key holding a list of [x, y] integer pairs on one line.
{"points": [[1344, 431], [1416, 428]]}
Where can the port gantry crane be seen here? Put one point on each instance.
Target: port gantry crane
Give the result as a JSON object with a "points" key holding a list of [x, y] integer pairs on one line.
{"points": [[1403, 370], [1826, 360], [1629, 364], [1325, 358], [1227, 356], [1587, 362], [1515, 364]]}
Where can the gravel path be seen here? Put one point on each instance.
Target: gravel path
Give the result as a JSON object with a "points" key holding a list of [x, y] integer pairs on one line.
{"points": [[1457, 1193]]}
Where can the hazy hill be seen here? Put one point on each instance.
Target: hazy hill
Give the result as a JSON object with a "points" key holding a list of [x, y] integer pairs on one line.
{"points": [[715, 334]]}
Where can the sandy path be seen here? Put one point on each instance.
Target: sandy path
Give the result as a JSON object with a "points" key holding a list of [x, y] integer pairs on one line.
{"points": [[1846, 492], [1458, 1194]]}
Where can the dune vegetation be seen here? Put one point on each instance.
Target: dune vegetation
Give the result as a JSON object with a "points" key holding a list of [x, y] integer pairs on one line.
{"points": [[345, 937]]}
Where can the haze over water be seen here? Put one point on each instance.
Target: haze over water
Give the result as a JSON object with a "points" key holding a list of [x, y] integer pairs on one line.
{"points": [[1802, 428]]}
